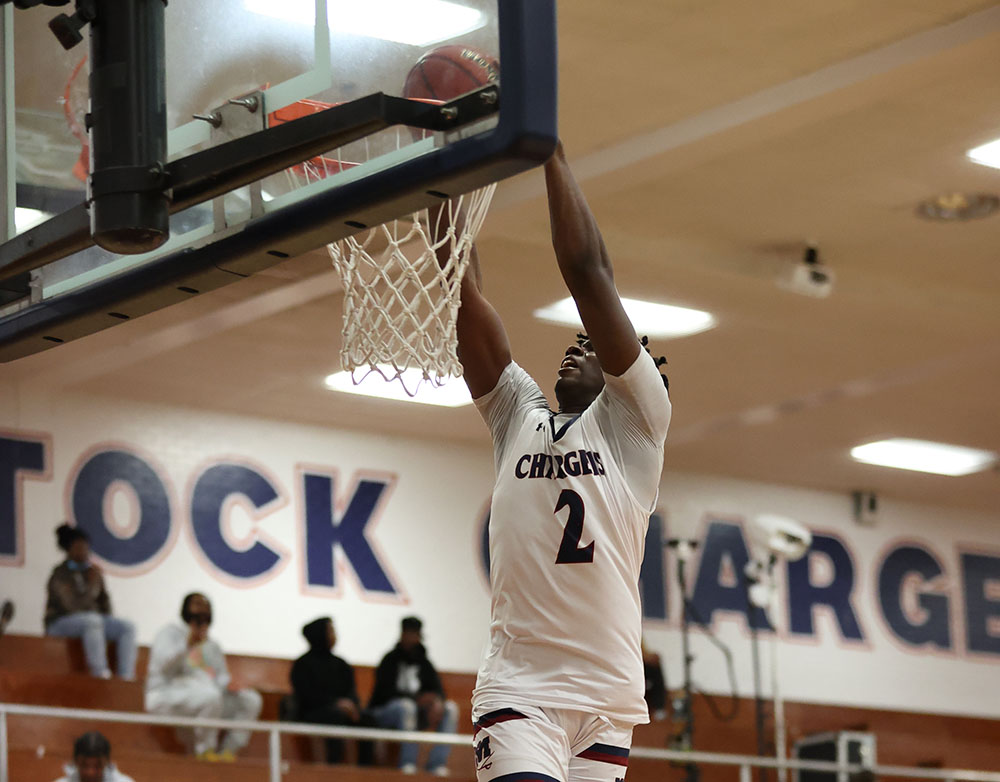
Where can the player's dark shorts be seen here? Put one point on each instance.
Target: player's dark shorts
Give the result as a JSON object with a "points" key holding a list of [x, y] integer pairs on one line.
{"points": [[529, 744]]}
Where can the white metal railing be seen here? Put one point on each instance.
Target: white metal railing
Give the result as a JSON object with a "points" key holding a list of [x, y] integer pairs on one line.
{"points": [[744, 763]]}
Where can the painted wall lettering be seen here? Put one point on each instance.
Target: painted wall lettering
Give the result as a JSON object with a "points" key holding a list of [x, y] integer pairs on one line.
{"points": [[19, 458], [652, 579], [981, 578], [325, 532], [804, 596], [216, 491], [720, 584], [930, 624], [96, 478]]}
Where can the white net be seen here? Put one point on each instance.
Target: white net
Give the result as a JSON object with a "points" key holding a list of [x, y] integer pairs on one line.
{"points": [[401, 283], [401, 280]]}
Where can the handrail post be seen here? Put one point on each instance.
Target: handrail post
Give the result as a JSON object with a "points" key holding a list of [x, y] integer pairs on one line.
{"points": [[745, 775], [274, 754], [4, 760]]}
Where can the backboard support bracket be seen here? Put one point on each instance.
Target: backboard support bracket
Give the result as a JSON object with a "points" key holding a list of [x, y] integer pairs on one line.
{"points": [[236, 118]]}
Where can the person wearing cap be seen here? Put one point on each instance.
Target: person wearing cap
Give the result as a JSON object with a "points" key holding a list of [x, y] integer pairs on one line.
{"points": [[408, 696], [78, 606], [92, 761], [188, 677], [325, 690]]}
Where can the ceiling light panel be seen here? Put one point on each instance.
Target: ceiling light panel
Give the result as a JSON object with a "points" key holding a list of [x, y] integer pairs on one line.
{"points": [[904, 453], [986, 154], [654, 320], [414, 22], [453, 393]]}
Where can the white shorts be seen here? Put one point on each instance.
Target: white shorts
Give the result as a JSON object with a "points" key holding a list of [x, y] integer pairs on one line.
{"points": [[529, 744]]}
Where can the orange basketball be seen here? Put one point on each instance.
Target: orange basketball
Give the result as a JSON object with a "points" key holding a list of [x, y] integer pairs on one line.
{"points": [[449, 71]]}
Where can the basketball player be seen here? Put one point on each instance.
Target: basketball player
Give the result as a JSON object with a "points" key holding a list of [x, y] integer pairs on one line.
{"points": [[562, 682]]}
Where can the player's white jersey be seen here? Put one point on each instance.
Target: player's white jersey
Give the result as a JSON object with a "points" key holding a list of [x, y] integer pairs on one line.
{"points": [[568, 522]]}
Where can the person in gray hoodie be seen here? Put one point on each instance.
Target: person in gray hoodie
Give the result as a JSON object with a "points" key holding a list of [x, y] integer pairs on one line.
{"points": [[92, 761], [188, 677]]}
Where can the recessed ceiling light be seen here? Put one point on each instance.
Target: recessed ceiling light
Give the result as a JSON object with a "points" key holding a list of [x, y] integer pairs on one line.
{"points": [[986, 154], [959, 206], [453, 393], [415, 22], [654, 320], [924, 456]]}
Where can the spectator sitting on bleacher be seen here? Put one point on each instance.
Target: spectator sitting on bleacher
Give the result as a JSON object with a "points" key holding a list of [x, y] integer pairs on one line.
{"points": [[656, 686], [408, 695], [325, 690], [79, 607], [188, 677], [6, 614], [92, 761]]}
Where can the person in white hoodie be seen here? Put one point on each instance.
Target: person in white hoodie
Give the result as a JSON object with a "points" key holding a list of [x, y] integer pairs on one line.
{"points": [[188, 677], [92, 761]]}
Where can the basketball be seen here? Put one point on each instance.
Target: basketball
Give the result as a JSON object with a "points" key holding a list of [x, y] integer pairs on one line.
{"points": [[450, 71]]}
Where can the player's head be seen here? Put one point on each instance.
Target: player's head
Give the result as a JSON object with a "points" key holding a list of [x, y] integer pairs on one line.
{"points": [[320, 634], [580, 377], [91, 755], [411, 633], [658, 360], [74, 541]]}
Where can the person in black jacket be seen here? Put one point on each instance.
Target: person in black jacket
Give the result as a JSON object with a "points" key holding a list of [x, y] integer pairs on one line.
{"points": [[408, 696], [325, 691], [656, 685]]}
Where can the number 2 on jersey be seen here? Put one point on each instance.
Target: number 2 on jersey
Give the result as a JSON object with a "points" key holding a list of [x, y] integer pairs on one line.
{"points": [[569, 549]]}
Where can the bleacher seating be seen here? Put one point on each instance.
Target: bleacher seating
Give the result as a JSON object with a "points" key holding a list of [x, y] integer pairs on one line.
{"points": [[27, 766], [51, 672]]}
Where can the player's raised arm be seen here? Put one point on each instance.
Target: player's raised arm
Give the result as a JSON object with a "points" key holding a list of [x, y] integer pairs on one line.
{"points": [[483, 347], [586, 269]]}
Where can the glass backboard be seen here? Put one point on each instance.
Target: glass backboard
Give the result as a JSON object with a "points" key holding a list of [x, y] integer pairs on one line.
{"points": [[284, 60]]}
